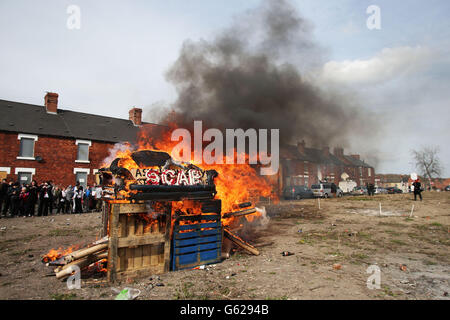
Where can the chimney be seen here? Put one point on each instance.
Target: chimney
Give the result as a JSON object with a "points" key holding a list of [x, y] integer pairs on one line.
{"points": [[355, 156], [339, 152], [326, 151], [51, 102], [301, 146], [135, 116]]}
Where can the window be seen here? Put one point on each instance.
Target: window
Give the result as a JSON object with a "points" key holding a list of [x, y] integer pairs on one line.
{"points": [[26, 150], [83, 151], [369, 172]]}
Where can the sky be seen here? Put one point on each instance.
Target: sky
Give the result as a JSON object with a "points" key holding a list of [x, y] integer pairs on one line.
{"points": [[119, 56]]}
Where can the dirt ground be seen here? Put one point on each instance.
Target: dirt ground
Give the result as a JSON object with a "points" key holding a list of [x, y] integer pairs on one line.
{"points": [[332, 249]]}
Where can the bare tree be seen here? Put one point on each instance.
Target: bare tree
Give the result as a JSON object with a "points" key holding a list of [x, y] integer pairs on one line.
{"points": [[427, 162]]}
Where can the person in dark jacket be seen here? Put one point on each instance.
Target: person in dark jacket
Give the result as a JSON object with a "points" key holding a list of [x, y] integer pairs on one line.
{"points": [[7, 203], [78, 196], [3, 194], [33, 189], [417, 189], [45, 199], [14, 199]]}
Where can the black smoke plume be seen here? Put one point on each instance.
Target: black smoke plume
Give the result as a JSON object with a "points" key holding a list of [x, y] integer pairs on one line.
{"points": [[250, 76]]}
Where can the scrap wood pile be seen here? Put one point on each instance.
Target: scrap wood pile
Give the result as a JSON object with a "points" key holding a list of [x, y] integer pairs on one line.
{"points": [[90, 259]]}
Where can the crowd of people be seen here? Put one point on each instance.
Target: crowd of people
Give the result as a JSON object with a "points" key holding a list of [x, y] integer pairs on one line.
{"points": [[28, 200]]}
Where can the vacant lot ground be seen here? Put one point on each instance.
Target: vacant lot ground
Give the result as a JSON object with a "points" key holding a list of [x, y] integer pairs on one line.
{"points": [[413, 254]]}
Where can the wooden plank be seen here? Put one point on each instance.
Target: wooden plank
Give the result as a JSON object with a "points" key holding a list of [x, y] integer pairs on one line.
{"points": [[167, 237], [137, 257], [154, 255], [133, 208], [146, 255], [139, 226], [140, 240], [161, 254], [122, 232], [121, 261], [142, 272], [130, 257], [130, 225], [113, 242]]}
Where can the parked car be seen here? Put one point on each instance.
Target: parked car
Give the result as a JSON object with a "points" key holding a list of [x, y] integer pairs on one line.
{"points": [[380, 191], [447, 188], [323, 190], [297, 192], [392, 190], [359, 191]]}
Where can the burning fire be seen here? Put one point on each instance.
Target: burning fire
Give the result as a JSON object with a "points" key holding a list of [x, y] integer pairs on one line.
{"points": [[235, 184], [55, 254]]}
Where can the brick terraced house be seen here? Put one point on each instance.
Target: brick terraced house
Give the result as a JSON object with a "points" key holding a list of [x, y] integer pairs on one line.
{"points": [[300, 165], [48, 143]]}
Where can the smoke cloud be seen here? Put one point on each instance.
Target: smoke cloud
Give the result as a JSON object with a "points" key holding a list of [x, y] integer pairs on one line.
{"points": [[251, 76]]}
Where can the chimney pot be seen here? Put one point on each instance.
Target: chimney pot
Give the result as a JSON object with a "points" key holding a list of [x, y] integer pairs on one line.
{"points": [[51, 102], [301, 146], [135, 116], [339, 152]]}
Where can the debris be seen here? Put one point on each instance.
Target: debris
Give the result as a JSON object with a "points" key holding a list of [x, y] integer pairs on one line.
{"points": [[127, 294], [287, 253], [159, 284], [445, 294], [403, 267], [337, 266]]}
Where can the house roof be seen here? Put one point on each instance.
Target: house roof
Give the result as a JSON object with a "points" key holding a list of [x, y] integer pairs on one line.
{"points": [[34, 119], [317, 156]]}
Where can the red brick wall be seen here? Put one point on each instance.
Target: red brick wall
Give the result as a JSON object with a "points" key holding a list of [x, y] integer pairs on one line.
{"points": [[59, 155]]}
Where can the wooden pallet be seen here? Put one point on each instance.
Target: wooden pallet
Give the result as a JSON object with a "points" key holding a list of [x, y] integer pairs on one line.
{"points": [[134, 252]]}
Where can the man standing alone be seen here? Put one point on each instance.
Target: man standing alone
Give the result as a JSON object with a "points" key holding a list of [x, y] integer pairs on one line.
{"points": [[417, 189]]}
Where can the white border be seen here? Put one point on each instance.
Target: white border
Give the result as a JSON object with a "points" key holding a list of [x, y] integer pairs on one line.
{"points": [[85, 170], [84, 141], [29, 136], [26, 170], [7, 169]]}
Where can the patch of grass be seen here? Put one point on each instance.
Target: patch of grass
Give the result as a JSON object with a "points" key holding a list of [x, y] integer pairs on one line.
{"points": [[185, 292], [63, 232], [388, 291], [429, 263], [272, 272], [359, 256], [63, 296], [277, 298], [436, 224], [399, 242]]}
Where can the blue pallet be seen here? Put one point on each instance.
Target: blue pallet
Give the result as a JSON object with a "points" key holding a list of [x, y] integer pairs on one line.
{"points": [[194, 247]]}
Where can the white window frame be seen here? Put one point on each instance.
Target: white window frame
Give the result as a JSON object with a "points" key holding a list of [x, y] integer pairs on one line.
{"points": [[370, 172], [85, 170], [25, 170], [88, 142], [28, 136], [6, 169]]}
